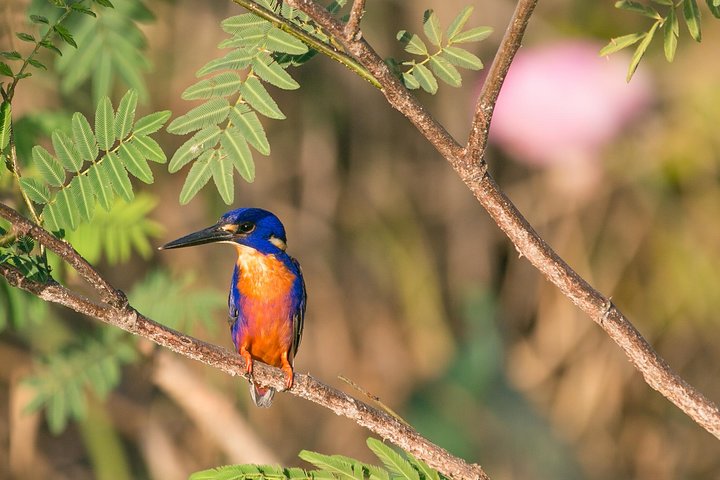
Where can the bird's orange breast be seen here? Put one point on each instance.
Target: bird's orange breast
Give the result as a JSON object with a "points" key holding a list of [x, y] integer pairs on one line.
{"points": [[265, 284]]}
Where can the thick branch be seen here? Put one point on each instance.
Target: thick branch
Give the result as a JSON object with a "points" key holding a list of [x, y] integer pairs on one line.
{"points": [[509, 46], [305, 386], [528, 243]]}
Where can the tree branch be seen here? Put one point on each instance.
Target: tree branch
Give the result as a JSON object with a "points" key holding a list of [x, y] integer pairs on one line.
{"points": [[473, 172], [305, 386], [22, 226], [475, 149], [352, 28]]}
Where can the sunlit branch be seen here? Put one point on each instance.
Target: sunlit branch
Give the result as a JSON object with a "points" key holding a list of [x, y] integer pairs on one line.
{"points": [[127, 318], [508, 218], [496, 76]]}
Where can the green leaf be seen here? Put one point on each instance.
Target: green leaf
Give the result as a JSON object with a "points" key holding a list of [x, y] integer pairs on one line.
{"points": [[251, 38], [692, 19], [5, 124], [458, 22], [410, 81], [279, 41], [473, 35], [636, 7], [238, 152], [6, 70], [39, 19], [64, 34], [338, 467], [425, 78], [56, 414], [431, 27], [199, 143], [84, 137], [151, 123], [235, 60], [36, 64], [255, 94], [135, 162], [104, 124], [250, 127], [422, 467], [115, 171], [125, 114], [413, 43], [198, 176], [239, 23], [640, 50], [102, 186], [445, 71], [269, 70], [49, 167], [222, 173], [392, 460], [25, 37], [82, 191], [209, 113], [462, 58], [714, 6], [149, 149], [617, 44], [66, 151], [79, 7], [38, 192], [47, 44], [67, 209], [670, 34], [11, 55], [221, 85]]}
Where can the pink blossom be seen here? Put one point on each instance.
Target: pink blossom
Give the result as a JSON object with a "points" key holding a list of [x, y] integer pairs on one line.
{"points": [[562, 103]]}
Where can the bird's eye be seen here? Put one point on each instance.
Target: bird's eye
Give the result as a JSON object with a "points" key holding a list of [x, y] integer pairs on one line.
{"points": [[246, 227]]}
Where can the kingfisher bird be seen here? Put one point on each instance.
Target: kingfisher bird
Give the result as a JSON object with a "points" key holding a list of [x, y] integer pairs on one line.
{"points": [[267, 292]]}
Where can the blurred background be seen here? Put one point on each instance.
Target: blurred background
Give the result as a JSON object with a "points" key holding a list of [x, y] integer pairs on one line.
{"points": [[414, 294]]}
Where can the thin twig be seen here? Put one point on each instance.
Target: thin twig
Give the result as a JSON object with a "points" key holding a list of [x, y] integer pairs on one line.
{"points": [[373, 398], [304, 386], [352, 28], [654, 369], [511, 42]]}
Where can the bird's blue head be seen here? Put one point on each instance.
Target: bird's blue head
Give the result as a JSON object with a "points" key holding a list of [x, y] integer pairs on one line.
{"points": [[252, 227]]}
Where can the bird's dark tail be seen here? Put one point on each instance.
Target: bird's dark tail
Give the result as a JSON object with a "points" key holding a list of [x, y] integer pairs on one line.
{"points": [[262, 397]]}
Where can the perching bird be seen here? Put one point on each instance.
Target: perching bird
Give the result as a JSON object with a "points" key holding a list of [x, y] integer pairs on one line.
{"points": [[267, 293]]}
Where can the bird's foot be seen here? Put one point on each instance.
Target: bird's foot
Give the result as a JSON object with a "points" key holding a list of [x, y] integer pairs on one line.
{"points": [[288, 369], [248, 362]]}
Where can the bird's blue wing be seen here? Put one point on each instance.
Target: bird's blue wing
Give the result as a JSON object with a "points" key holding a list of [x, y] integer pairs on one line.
{"points": [[234, 315], [299, 303]]}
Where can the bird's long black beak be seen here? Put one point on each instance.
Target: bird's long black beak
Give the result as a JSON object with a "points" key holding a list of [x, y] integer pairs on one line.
{"points": [[215, 233]]}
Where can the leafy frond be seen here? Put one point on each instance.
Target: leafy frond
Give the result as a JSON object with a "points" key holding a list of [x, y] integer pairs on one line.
{"points": [[665, 15], [49, 31], [177, 302], [227, 122], [395, 466], [61, 381], [441, 59], [110, 48], [118, 232], [96, 161]]}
